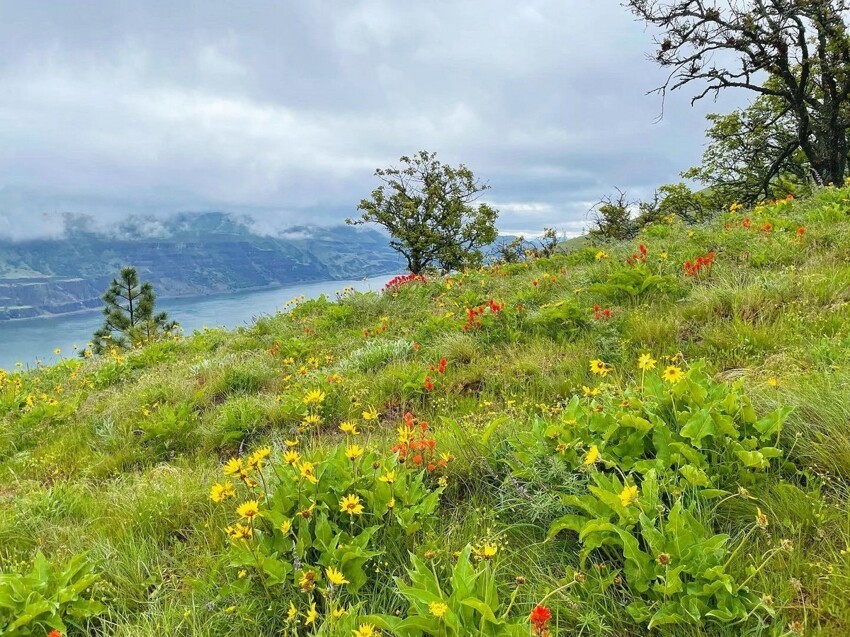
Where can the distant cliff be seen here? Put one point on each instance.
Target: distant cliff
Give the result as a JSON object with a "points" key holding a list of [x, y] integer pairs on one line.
{"points": [[184, 255]]}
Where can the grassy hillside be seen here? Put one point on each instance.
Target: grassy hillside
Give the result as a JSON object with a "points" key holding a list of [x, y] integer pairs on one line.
{"points": [[607, 437]]}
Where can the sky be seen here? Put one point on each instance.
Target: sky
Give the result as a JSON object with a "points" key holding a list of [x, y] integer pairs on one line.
{"points": [[283, 110]]}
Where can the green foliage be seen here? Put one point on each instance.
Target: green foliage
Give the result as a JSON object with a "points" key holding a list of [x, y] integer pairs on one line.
{"points": [[47, 598], [633, 283], [466, 602], [429, 209]]}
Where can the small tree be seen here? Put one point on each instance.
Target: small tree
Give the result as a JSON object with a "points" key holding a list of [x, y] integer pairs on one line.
{"points": [[429, 210], [129, 313]]}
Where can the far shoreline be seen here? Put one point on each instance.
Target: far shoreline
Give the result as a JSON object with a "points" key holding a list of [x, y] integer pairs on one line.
{"points": [[237, 292]]}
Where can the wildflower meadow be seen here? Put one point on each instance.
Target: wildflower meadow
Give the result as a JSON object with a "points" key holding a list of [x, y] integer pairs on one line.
{"points": [[643, 437]]}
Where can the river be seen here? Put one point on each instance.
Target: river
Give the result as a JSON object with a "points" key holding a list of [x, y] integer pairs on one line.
{"points": [[36, 339]]}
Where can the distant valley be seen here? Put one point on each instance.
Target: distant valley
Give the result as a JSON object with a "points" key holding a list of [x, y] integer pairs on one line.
{"points": [[182, 255]]}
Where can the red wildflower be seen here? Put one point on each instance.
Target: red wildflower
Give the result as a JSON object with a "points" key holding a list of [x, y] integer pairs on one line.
{"points": [[766, 227], [539, 617], [54, 633], [746, 223], [428, 384], [801, 231]]}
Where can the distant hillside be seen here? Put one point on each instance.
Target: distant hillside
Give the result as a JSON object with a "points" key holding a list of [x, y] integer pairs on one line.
{"points": [[184, 255]]}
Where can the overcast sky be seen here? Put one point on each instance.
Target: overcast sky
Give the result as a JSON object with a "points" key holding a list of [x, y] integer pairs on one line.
{"points": [[284, 109]]}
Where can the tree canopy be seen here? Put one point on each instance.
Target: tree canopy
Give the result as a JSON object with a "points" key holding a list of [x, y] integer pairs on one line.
{"points": [[794, 52], [432, 213]]}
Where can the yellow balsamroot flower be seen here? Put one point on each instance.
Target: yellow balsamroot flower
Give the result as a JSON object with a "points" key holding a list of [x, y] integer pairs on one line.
{"points": [[292, 613], [335, 577], [349, 428], [240, 532], [351, 504], [601, 255], [221, 492], [672, 374], [314, 397], [588, 392], [628, 495], [291, 457], [591, 456], [599, 368], [405, 435], [307, 581], [248, 510], [353, 452], [370, 414], [308, 471], [286, 527], [761, 519], [486, 552], [388, 477], [312, 615], [311, 420], [772, 382], [232, 466], [438, 609], [646, 362], [291, 443], [365, 630]]}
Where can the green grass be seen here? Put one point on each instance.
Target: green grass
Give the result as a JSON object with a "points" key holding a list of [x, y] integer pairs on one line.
{"points": [[114, 458]]}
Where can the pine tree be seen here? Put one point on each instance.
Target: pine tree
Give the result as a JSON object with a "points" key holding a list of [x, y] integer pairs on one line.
{"points": [[129, 313]]}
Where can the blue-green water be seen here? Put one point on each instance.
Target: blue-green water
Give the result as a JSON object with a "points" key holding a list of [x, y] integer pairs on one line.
{"points": [[36, 339]]}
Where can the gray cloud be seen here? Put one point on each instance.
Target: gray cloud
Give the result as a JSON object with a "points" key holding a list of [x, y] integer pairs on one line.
{"points": [[282, 110]]}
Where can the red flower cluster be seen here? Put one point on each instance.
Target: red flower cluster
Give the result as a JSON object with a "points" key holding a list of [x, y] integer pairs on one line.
{"points": [[274, 349], [395, 283], [801, 231], [54, 633], [376, 331], [414, 443], [472, 314], [638, 257], [600, 313], [440, 368], [766, 228], [539, 617], [692, 268]]}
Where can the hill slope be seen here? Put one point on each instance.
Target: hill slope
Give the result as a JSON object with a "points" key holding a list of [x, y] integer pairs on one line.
{"points": [[183, 255], [249, 482]]}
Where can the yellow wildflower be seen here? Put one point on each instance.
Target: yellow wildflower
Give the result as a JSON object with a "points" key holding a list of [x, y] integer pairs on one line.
{"points": [[308, 471], [438, 609], [370, 414], [312, 615], [388, 477], [248, 510], [351, 504], [291, 457], [591, 456], [761, 519], [365, 630], [232, 466], [353, 452], [292, 612], [599, 368], [314, 397], [221, 492], [588, 392], [335, 577], [286, 527], [601, 254], [646, 362], [349, 428], [672, 374], [628, 495]]}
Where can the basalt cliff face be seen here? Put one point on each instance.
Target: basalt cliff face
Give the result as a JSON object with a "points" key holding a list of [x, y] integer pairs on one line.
{"points": [[185, 255]]}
